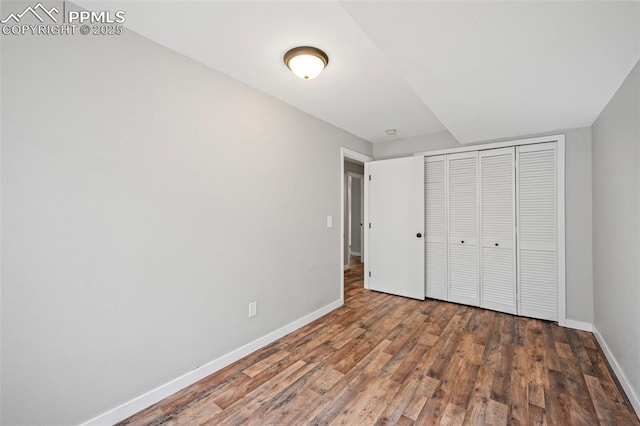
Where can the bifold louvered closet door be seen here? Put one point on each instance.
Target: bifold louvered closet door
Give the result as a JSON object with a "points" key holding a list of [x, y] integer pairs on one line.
{"points": [[491, 227], [537, 217], [462, 200], [498, 229], [435, 219]]}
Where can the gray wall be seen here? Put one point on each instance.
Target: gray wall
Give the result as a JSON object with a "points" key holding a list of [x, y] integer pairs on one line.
{"points": [[146, 200], [578, 224], [616, 226], [402, 147], [579, 274]]}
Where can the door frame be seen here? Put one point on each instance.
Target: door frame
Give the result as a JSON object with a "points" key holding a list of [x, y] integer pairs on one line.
{"points": [[346, 153]]}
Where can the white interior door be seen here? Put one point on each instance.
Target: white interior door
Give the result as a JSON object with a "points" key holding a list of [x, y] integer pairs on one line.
{"points": [[537, 216], [497, 218], [435, 227], [396, 220], [462, 174]]}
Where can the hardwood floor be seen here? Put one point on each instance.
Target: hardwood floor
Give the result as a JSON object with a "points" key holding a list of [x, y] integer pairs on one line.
{"points": [[390, 360]]}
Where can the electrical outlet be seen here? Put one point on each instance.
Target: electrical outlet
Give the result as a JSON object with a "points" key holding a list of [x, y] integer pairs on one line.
{"points": [[253, 309]]}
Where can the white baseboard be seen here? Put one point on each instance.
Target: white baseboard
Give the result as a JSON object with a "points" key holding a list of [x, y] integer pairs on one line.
{"points": [[578, 325], [631, 394], [355, 253], [141, 402], [345, 267]]}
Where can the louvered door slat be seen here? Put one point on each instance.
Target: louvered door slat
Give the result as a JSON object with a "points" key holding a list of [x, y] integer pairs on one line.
{"points": [[435, 228], [497, 252], [537, 212], [463, 228]]}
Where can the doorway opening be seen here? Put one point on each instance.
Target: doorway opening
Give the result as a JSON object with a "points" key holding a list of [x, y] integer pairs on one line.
{"points": [[353, 200], [354, 235]]}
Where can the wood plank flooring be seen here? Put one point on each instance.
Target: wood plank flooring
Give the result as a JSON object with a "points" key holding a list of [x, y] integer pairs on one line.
{"points": [[382, 359]]}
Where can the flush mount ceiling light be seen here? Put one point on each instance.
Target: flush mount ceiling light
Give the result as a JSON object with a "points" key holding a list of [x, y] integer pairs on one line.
{"points": [[391, 132], [306, 62]]}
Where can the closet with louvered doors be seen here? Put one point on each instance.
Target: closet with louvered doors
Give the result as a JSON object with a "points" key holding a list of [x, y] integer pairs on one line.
{"points": [[493, 223]]}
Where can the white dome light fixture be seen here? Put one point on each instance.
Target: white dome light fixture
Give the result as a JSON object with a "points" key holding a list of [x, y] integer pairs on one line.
{"points": [[306, 62]]}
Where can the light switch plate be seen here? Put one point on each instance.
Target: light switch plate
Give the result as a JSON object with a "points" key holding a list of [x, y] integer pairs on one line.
{"points": [[329, 221]]}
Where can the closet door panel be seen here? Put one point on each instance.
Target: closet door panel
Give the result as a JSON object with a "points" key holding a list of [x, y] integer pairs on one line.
{"points": [[537, 213], [497, 212], [462, 172], [538, 284], [463, 274], [436, 271], [499, 280], [435, 228]]}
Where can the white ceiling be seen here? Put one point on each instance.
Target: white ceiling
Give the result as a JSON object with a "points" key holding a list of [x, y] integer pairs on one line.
{"points": [[486, 69], [491, 70], [359, 91]]}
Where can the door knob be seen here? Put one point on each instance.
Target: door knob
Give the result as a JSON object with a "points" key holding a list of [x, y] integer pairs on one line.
{"points": [[419, 235]]}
